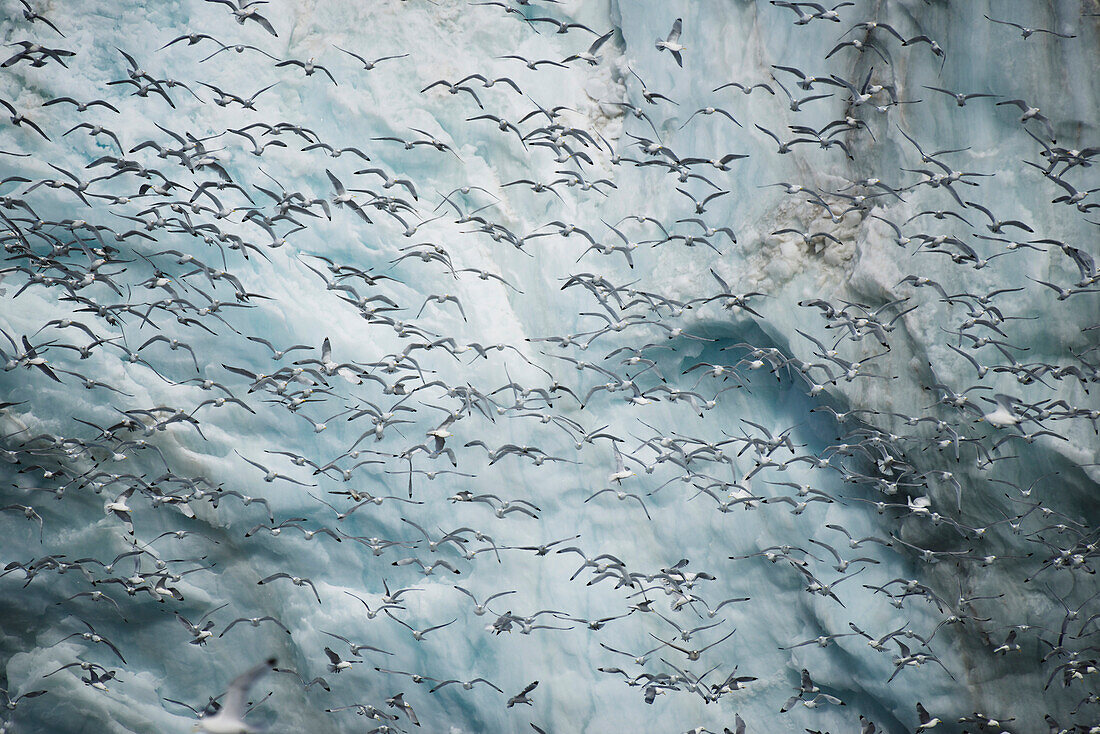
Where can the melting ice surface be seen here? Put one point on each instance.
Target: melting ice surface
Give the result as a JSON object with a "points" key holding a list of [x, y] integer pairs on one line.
{"points": [[762, 436]]}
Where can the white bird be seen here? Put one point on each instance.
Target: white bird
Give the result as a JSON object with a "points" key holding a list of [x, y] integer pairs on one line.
{"points": [[621, 472], [1004, 416], [927, 721], [480, 609], [121, 510], [590, 55], [672, 43], [336, 663], [230, 717]]}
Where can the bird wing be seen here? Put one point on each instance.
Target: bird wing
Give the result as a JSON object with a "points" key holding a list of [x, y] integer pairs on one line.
{"points": [[674, 34], [600, 41], [237, 695]]}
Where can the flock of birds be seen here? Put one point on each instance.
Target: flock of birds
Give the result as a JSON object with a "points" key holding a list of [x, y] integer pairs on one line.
{"points": [[144, 265]]}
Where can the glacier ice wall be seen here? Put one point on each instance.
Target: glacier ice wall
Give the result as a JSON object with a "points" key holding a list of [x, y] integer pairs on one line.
{"points": [[853, 395]]}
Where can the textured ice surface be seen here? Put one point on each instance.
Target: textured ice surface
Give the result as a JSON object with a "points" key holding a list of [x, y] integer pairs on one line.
{"points": [[1002, 546]]}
